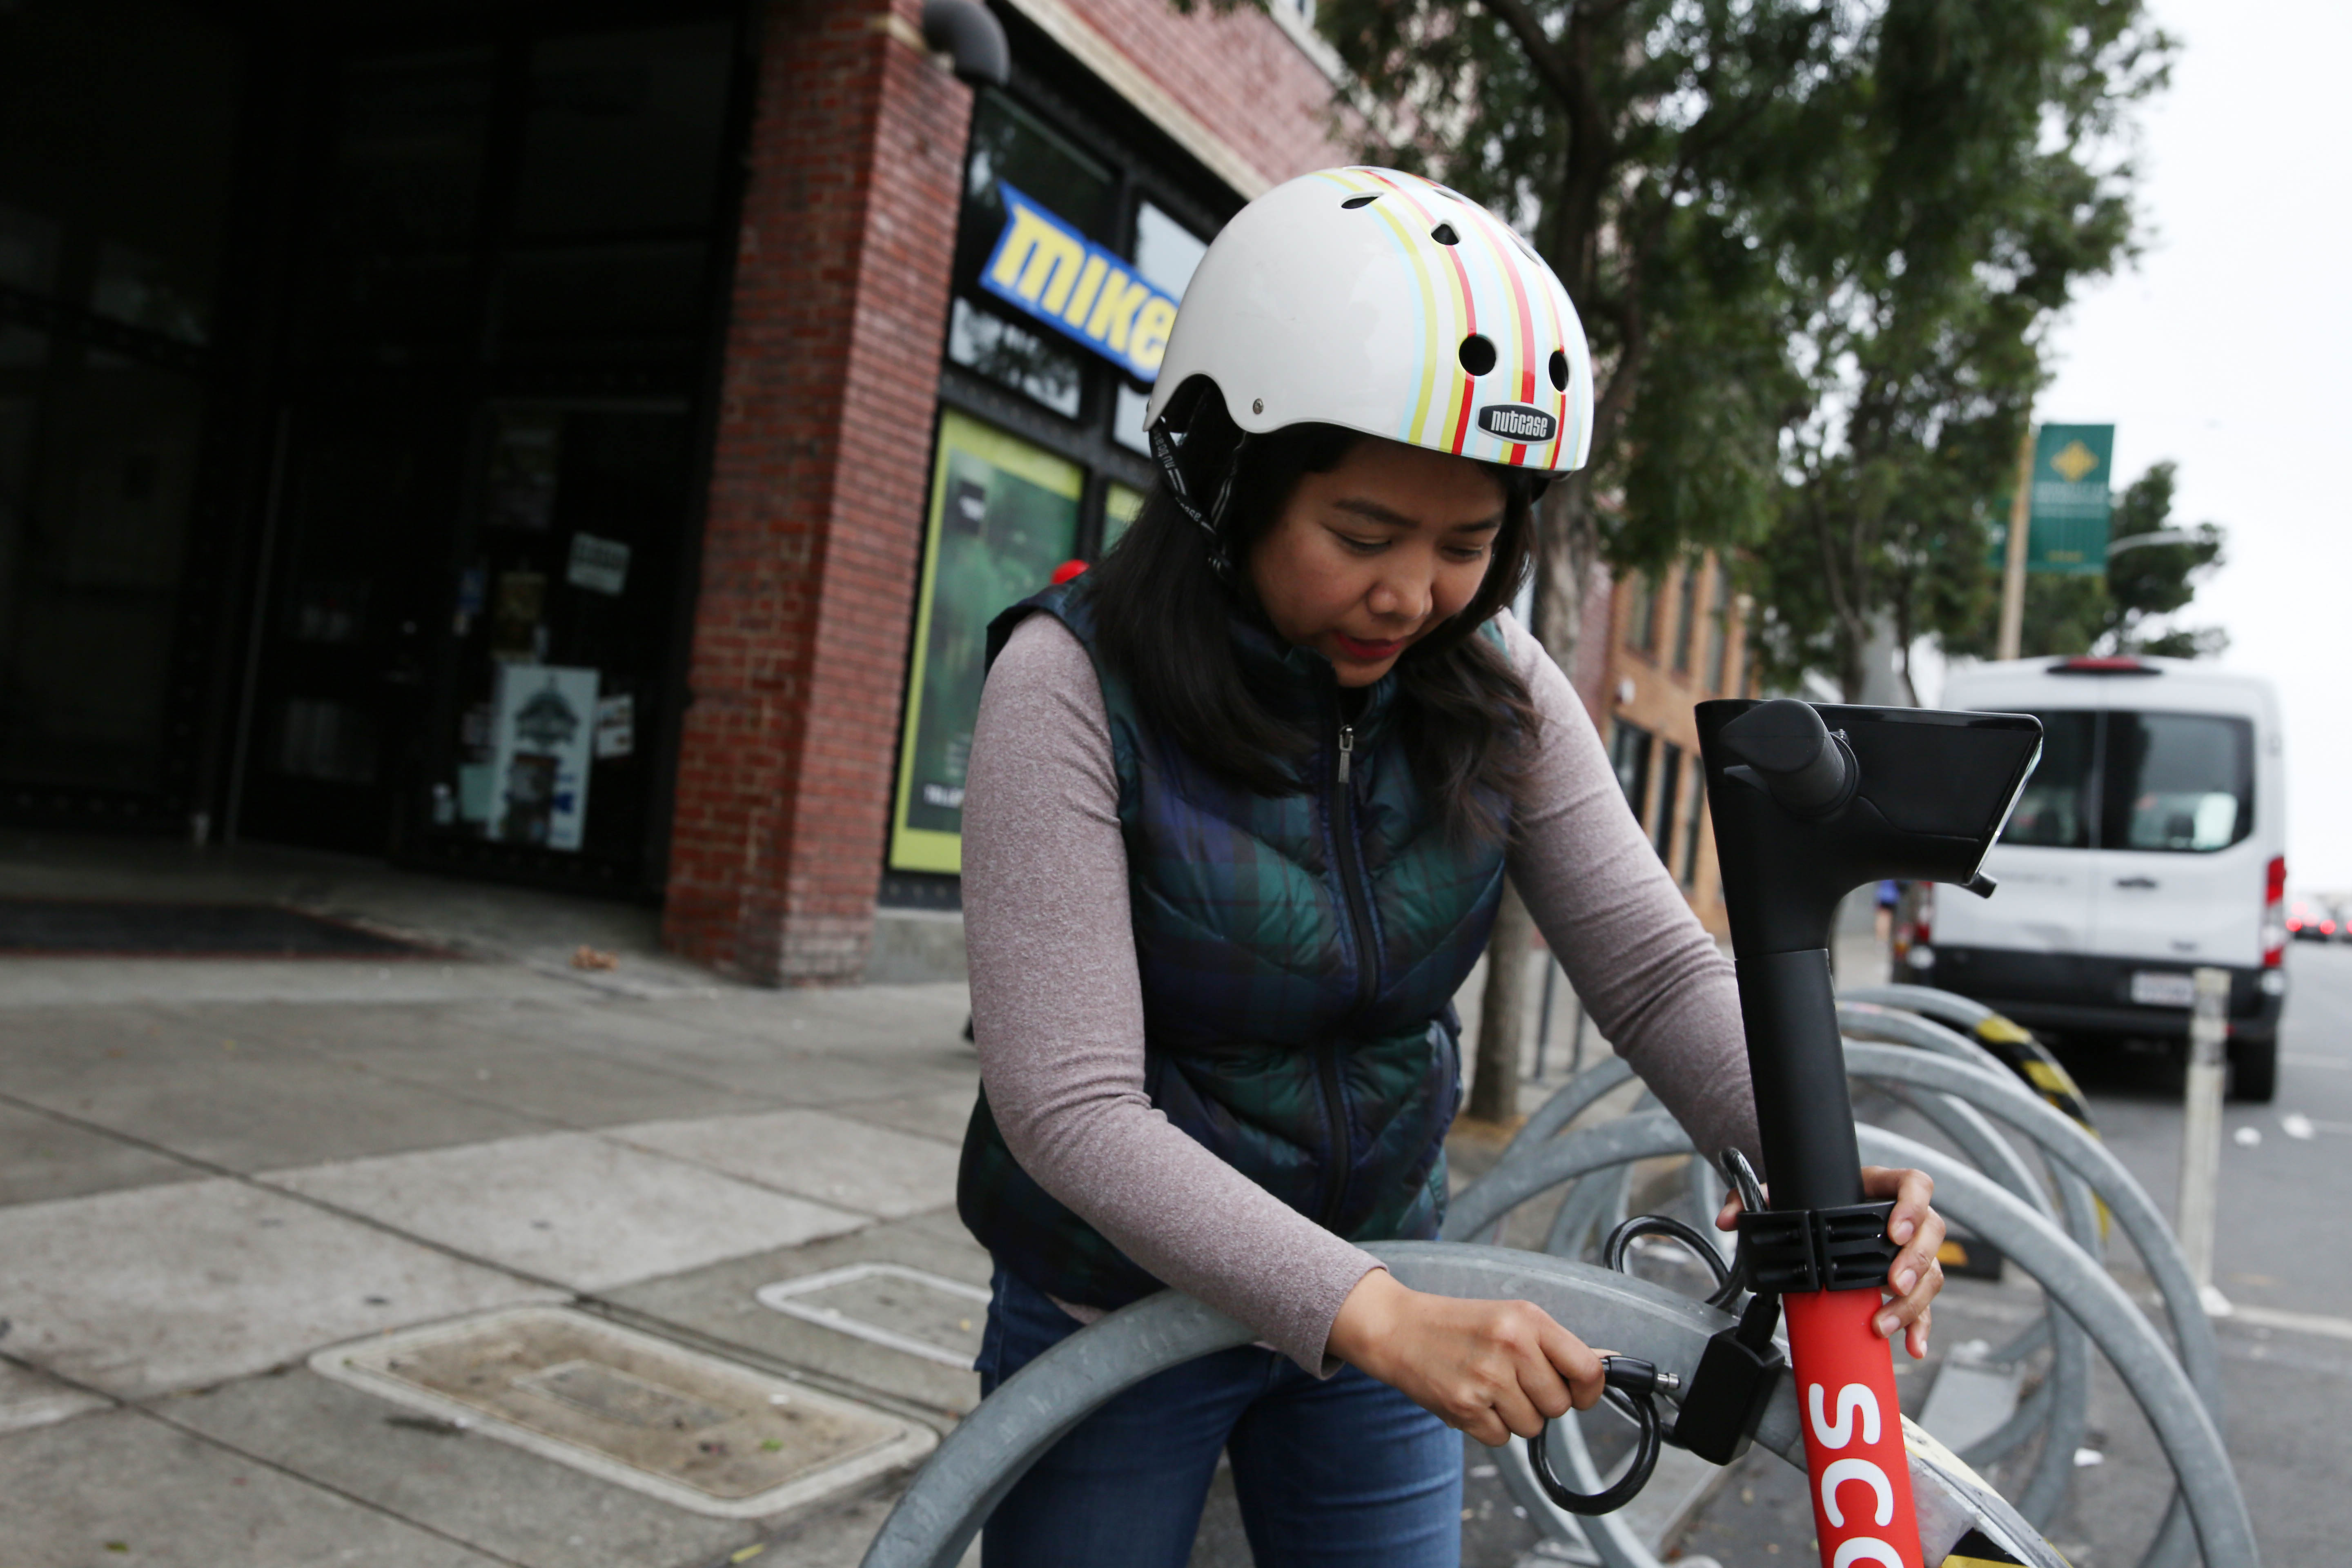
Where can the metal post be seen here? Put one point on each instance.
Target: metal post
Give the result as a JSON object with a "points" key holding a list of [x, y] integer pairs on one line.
{"points": [[2200, 1134], [1543, 1010], [2020, 524]]}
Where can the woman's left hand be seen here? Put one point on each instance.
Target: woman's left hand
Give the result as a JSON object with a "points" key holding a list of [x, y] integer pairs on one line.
{"points": [[1914, 1226]]}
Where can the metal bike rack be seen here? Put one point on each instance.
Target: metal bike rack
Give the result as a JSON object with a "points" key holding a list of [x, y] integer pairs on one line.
{"points": [[994, 1446], [980, 1461], [1950, 1079], [2073, 1151], [2167, 1394], [1931, 1022]]}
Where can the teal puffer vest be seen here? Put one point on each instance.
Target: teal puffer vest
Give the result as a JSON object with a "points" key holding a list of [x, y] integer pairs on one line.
{"points": [[1298, 955]]}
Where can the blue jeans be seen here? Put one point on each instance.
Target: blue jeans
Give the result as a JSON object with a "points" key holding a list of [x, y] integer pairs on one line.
{"points": [[1339, 1470]]}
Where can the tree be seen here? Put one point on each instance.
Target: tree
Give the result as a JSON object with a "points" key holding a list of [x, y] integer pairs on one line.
{"points": [[1987, 192], [2120, 611]]}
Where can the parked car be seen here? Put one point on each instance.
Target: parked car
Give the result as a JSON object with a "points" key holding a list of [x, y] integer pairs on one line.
{"points": [[2149, 842]]}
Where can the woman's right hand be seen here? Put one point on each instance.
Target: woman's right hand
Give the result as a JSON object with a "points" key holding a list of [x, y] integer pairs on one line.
{"points": [[1488, 1368]]}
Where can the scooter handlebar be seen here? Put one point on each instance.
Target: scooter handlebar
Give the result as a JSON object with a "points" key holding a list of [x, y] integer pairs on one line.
{"points": [[1783, 746]]}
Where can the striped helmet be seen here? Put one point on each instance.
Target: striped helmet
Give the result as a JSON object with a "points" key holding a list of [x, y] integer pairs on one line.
{"points": [[1384, 302]]}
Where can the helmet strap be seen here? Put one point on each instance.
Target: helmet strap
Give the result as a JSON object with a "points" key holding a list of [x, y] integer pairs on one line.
{"points": [[1167, 449]]}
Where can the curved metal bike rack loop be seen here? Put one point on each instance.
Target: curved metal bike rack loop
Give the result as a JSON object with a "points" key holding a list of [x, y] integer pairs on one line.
{"points": [[991, 1449], [2076, 1157], [1942, 1006], [2166, 1394], [2070, 1148]]}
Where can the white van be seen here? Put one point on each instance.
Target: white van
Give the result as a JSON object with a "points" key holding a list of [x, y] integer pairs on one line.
{"points": [[2149, 842]]}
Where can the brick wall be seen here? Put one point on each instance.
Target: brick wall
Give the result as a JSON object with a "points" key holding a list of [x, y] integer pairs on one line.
{"points": [[816, 501], [813, 531], [1238, 72]]}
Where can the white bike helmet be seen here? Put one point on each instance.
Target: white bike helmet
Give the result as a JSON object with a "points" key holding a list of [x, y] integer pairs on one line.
{"points": [[1382, 302]]}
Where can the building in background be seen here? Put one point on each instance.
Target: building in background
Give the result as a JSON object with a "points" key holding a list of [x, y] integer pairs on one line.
{"points": [[579, 444], [1675, 640]]}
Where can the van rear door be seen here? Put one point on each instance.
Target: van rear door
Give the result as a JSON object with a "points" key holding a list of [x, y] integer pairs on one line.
{"points": [[2180, 869], [2044, 860]]}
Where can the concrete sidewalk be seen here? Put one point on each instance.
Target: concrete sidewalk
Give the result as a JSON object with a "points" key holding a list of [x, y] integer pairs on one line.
{"points": [[212, 1171]]}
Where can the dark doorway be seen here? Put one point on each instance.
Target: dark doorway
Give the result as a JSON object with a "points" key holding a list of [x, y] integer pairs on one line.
{"points": [[473, 627], [355, 377]]}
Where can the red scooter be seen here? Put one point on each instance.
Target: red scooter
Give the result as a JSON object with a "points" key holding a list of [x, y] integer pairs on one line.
{"points": [[1809, 803]]}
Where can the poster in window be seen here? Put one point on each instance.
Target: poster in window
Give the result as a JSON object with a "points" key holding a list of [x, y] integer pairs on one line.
{"points": [[1004, 515], [543, 730]]}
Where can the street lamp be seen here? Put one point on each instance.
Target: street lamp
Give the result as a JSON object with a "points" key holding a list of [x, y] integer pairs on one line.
{"points": [[2161, 536]]}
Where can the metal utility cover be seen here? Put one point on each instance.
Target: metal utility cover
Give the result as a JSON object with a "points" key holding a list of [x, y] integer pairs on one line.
{"points": [[909, 1310], [702, 1432]]}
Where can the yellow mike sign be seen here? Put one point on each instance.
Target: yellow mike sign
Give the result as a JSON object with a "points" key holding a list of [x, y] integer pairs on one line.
{"points": [[1052, 273]]}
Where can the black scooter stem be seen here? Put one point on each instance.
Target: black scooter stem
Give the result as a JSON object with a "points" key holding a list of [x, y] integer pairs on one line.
{"points": [[1810, 803], [1786, 997]]}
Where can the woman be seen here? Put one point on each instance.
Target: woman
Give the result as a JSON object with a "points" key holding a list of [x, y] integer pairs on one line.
{"points": [[1239, 808]]}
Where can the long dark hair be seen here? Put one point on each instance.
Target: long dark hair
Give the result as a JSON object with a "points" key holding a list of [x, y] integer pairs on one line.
{"points": [[1161, 613]]}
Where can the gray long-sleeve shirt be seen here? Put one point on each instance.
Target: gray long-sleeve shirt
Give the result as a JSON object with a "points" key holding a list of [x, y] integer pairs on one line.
{"points": [[1057, 1005]]}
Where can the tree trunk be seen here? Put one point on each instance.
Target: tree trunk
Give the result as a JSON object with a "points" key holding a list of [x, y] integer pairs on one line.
{"points": [[1568, 549], [1495, 1086]]}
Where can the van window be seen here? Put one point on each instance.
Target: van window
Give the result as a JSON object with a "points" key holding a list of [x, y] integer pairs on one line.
{"points": [[2179, 781], [2054, 810]]}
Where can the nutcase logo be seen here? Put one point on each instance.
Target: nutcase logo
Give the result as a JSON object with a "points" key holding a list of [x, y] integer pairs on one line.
{"points": [[1518, 421]]}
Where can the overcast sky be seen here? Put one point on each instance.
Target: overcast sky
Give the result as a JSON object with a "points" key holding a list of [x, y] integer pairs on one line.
{"points": [[2229, 349]]}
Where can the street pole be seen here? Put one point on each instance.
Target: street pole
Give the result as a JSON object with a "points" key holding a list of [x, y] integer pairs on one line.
{"points": [[2201, 1134], [2012, 577]]}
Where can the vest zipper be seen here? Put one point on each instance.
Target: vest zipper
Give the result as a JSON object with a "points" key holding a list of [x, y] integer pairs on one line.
{"points": [[1359, 931]]}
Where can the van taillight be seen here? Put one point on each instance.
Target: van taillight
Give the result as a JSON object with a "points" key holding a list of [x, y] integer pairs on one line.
{"points": [[2274, 913]]}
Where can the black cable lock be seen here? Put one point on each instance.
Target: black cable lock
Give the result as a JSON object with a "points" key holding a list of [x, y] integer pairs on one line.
{"points": [[1630, 1385]]}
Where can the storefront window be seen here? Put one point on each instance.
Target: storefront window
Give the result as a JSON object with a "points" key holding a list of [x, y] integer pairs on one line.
{"points": [[559, 625], [1004, 514], [1071, 256], [1016, 357], [1166, 253], [1012, 146]]}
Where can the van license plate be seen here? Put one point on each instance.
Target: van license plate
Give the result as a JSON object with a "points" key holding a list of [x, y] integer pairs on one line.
{"points": [[2155, 988]]}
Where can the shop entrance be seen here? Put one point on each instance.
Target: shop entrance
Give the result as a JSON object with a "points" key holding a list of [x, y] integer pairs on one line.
{"points": [[484, 480], [353, 390]]}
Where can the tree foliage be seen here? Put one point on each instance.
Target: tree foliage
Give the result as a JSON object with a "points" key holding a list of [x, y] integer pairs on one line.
{"points": [[2127, 609], [1988, 192]]}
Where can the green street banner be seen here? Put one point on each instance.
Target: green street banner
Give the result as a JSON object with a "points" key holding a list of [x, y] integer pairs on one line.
{"points": [[1004, 515], [2073, 484], [2073, 497]]}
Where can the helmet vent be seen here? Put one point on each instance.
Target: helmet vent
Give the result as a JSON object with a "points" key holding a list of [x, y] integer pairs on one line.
{"points": [[1477, 355], [1559, 370], [1444, 234], [1352, 203]]}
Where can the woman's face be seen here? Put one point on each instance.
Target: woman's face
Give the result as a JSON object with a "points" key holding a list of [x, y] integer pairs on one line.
{"points": [[1370, 558]]}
